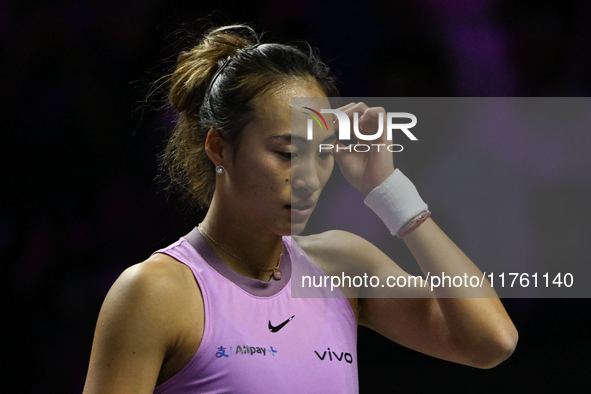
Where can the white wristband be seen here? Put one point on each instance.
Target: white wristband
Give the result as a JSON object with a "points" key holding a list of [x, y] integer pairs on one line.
{"points": [[396, 201]]}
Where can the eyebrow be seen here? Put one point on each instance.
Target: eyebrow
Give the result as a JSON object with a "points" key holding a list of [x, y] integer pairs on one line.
{"points": [[289, 137]]}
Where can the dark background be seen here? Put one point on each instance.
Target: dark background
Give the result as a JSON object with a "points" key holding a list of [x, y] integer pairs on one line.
{"points": [[79, 141]]}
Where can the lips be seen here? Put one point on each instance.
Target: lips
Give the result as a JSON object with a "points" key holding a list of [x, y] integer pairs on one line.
{"points": [[301, 209]]}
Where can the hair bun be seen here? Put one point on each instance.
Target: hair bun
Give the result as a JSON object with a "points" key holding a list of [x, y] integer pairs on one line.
{"points": [[196, 67]]}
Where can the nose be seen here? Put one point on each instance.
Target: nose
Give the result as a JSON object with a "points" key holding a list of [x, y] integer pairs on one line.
{"points": [[305, 176]]}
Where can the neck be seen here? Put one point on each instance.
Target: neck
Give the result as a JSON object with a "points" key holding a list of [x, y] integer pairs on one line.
{"points": [[244, 246]]}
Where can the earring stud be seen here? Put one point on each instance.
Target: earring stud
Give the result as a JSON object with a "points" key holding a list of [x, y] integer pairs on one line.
{"points": [[220, 170]]}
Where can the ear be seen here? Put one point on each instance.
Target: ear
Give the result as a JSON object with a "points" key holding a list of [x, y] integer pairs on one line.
{"points": [[215, 147]]}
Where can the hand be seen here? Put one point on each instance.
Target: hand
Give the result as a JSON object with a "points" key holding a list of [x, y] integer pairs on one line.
{"points": [[365, 170]]}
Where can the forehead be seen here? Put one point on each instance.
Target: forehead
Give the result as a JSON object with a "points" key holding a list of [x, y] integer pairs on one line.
{"points": [[282, 106]]}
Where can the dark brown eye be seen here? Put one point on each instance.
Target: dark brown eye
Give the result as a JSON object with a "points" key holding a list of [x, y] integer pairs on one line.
{"points": [[288, 155]]}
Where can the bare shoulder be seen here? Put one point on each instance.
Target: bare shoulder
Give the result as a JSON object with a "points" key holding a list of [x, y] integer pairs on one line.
{"points": [[164, 297], [160, 272], [337, 249], [145, 316], [333, 241], [156, 283], [342, 254]]}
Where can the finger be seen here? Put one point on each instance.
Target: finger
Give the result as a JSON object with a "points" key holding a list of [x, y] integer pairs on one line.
{"points": [[346, 107], [359, 107], [372, 114], [349, 110], [369, 122], [339, 151]]}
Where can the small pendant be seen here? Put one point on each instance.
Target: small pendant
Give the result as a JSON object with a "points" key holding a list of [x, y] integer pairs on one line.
{"points": [[277, 274]]}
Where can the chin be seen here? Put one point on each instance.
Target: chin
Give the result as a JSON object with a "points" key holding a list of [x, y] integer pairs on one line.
{"points": [[297, 228]]}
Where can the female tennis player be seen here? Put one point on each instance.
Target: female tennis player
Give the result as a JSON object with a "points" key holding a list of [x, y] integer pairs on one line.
{"points": [[214, 311]]}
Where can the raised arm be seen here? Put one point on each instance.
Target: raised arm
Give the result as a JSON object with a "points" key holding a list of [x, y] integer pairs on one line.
{"points": [[479, 327], [445, 323], [471, 331]]}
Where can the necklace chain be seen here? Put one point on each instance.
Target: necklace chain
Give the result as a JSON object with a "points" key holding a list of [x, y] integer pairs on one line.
{"points": [[202, 230]]}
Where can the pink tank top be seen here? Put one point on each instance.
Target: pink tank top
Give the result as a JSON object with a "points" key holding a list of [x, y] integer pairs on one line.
{"points": [[257, 338]]}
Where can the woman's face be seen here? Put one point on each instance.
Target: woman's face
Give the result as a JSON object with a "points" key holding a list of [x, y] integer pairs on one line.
{"points": [[277, 174]]}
